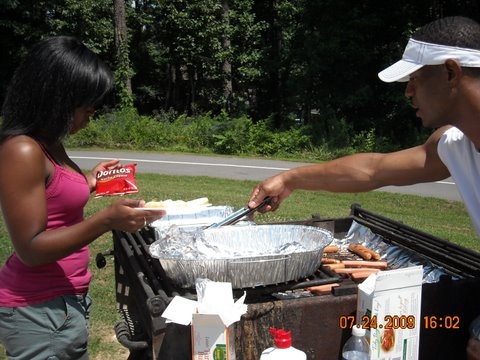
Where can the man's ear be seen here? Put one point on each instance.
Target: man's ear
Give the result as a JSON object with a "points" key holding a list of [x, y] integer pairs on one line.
{"points": [[454, 70]]}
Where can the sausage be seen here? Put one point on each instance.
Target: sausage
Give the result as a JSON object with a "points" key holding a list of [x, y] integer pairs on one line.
{"points": [[361, 275], [335, 266], [326, 260], [367, 264], [375, 255], [360, 250], [364, 252], [345, 270], [322, 289], [330, 249]]}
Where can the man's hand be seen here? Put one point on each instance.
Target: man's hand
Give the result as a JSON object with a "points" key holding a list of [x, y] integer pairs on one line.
{"points": [[473, 349]]}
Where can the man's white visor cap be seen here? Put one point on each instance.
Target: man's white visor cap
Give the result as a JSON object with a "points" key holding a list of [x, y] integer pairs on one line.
{"points": [[419, 53]]}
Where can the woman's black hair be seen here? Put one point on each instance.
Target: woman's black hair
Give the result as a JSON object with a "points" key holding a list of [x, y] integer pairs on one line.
{"points": [[58, 75]]}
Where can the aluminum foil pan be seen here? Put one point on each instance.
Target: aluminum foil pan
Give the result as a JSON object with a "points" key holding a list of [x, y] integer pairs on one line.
{"points": [[395, 256], [197, 218], [246, 256]]}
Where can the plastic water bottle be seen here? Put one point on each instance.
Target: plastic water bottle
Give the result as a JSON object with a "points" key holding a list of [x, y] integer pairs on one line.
{"points": [[356, 347], [283, 349]]}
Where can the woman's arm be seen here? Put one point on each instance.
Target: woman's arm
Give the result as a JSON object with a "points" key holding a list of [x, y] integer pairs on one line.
{"points": [[23, 173]]}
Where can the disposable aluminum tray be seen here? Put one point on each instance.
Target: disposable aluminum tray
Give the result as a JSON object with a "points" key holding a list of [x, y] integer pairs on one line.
{"points": [[258, 255], [190, 218]]}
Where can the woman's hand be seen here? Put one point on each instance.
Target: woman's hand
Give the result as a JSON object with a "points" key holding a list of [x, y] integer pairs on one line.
{"points": [[128, 215], [103, 166]]}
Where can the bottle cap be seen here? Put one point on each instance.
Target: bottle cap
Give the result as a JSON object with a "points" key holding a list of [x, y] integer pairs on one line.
{"points": [[283, 339], [358, 331]]}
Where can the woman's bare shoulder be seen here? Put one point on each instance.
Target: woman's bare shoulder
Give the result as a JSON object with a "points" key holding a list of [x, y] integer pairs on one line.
{"points": [[20, 148]]}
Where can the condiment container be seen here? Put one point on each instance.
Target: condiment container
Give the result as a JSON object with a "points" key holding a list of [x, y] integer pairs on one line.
{"points": [[283, 349]]}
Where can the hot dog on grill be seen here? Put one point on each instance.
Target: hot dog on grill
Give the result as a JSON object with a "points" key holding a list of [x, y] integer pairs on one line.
{"points": [[335, 266], [366, 264], [364, 252], [322, 289], [326, 261], [330, 249], [360, 275], [345, 270]]}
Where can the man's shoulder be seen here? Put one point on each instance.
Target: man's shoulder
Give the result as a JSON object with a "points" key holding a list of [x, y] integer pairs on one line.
{"points": [[447, 133], [453, 131]]}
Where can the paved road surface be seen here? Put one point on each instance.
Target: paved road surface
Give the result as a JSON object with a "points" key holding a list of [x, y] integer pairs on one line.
{"points": [[234, 168]]}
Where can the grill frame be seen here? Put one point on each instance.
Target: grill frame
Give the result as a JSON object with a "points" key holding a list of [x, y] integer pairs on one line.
{"points": [[143, 292]]}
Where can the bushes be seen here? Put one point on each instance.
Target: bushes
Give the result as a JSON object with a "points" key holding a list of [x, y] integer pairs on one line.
{"points": [[126, 129], [207, 133]]}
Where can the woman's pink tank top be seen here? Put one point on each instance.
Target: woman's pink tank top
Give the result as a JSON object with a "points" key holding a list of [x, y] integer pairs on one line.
{"points": [[67, 193]]}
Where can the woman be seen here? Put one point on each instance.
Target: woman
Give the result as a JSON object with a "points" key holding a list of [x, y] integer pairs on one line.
{"points": [[44, 283]]}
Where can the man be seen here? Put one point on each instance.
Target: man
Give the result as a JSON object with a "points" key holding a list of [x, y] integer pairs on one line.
{"points": [[441, 65]]}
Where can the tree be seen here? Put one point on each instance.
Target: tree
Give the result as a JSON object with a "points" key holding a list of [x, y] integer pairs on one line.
{"points": [[24, 22], [123, 71], [195, 56], [281, 59], [227, 65]]}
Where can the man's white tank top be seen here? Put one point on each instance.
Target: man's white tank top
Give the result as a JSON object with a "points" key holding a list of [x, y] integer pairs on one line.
{"points": [[462, 159]]}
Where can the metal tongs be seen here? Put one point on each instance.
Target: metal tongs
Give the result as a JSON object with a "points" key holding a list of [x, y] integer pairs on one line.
{"points": [[239, 214]]}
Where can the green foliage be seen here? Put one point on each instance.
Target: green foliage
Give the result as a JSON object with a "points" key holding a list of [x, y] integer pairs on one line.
{"points": [[234, 139], [246, 137], [365, 141], [197, 132], [123, 73], [258, 59], [328, 128], [220, 134]]}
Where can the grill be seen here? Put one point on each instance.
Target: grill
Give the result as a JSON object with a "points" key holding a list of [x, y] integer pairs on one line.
{"points": [[143, 291]]}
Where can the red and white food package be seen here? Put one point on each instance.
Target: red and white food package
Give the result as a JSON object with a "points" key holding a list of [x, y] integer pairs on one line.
{"points": [[118, 181]]}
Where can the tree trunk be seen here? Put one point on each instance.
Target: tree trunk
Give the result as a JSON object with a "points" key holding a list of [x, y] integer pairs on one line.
{"points": [[227, 66], [121, 43], [275, 76]]}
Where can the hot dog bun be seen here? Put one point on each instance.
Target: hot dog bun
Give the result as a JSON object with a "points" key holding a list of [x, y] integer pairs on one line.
{"points": [[178, 203]]}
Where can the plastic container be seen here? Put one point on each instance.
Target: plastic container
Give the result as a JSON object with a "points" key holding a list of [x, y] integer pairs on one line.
{"points": [[356, 347], [220, 352], [283, 349]]}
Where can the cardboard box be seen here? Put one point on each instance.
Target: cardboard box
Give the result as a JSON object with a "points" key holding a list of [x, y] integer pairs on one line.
{"points": [[389, 307], [212, 319], [211, 340]]}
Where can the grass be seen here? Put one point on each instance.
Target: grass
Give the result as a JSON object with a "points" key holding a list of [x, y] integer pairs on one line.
{"points": [[442, 218]]}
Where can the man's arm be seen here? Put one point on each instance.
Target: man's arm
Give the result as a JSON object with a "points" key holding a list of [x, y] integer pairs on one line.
{"points": [[358, 173]]}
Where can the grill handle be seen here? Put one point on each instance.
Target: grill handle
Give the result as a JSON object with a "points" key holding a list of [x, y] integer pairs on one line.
{"points": [[123, 336]]}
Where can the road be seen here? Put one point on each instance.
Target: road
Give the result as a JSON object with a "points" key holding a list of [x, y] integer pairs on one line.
{"points": [[234, 168]]}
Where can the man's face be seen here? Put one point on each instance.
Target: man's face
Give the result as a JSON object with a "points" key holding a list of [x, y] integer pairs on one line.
{"points": [[430, 94]]}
